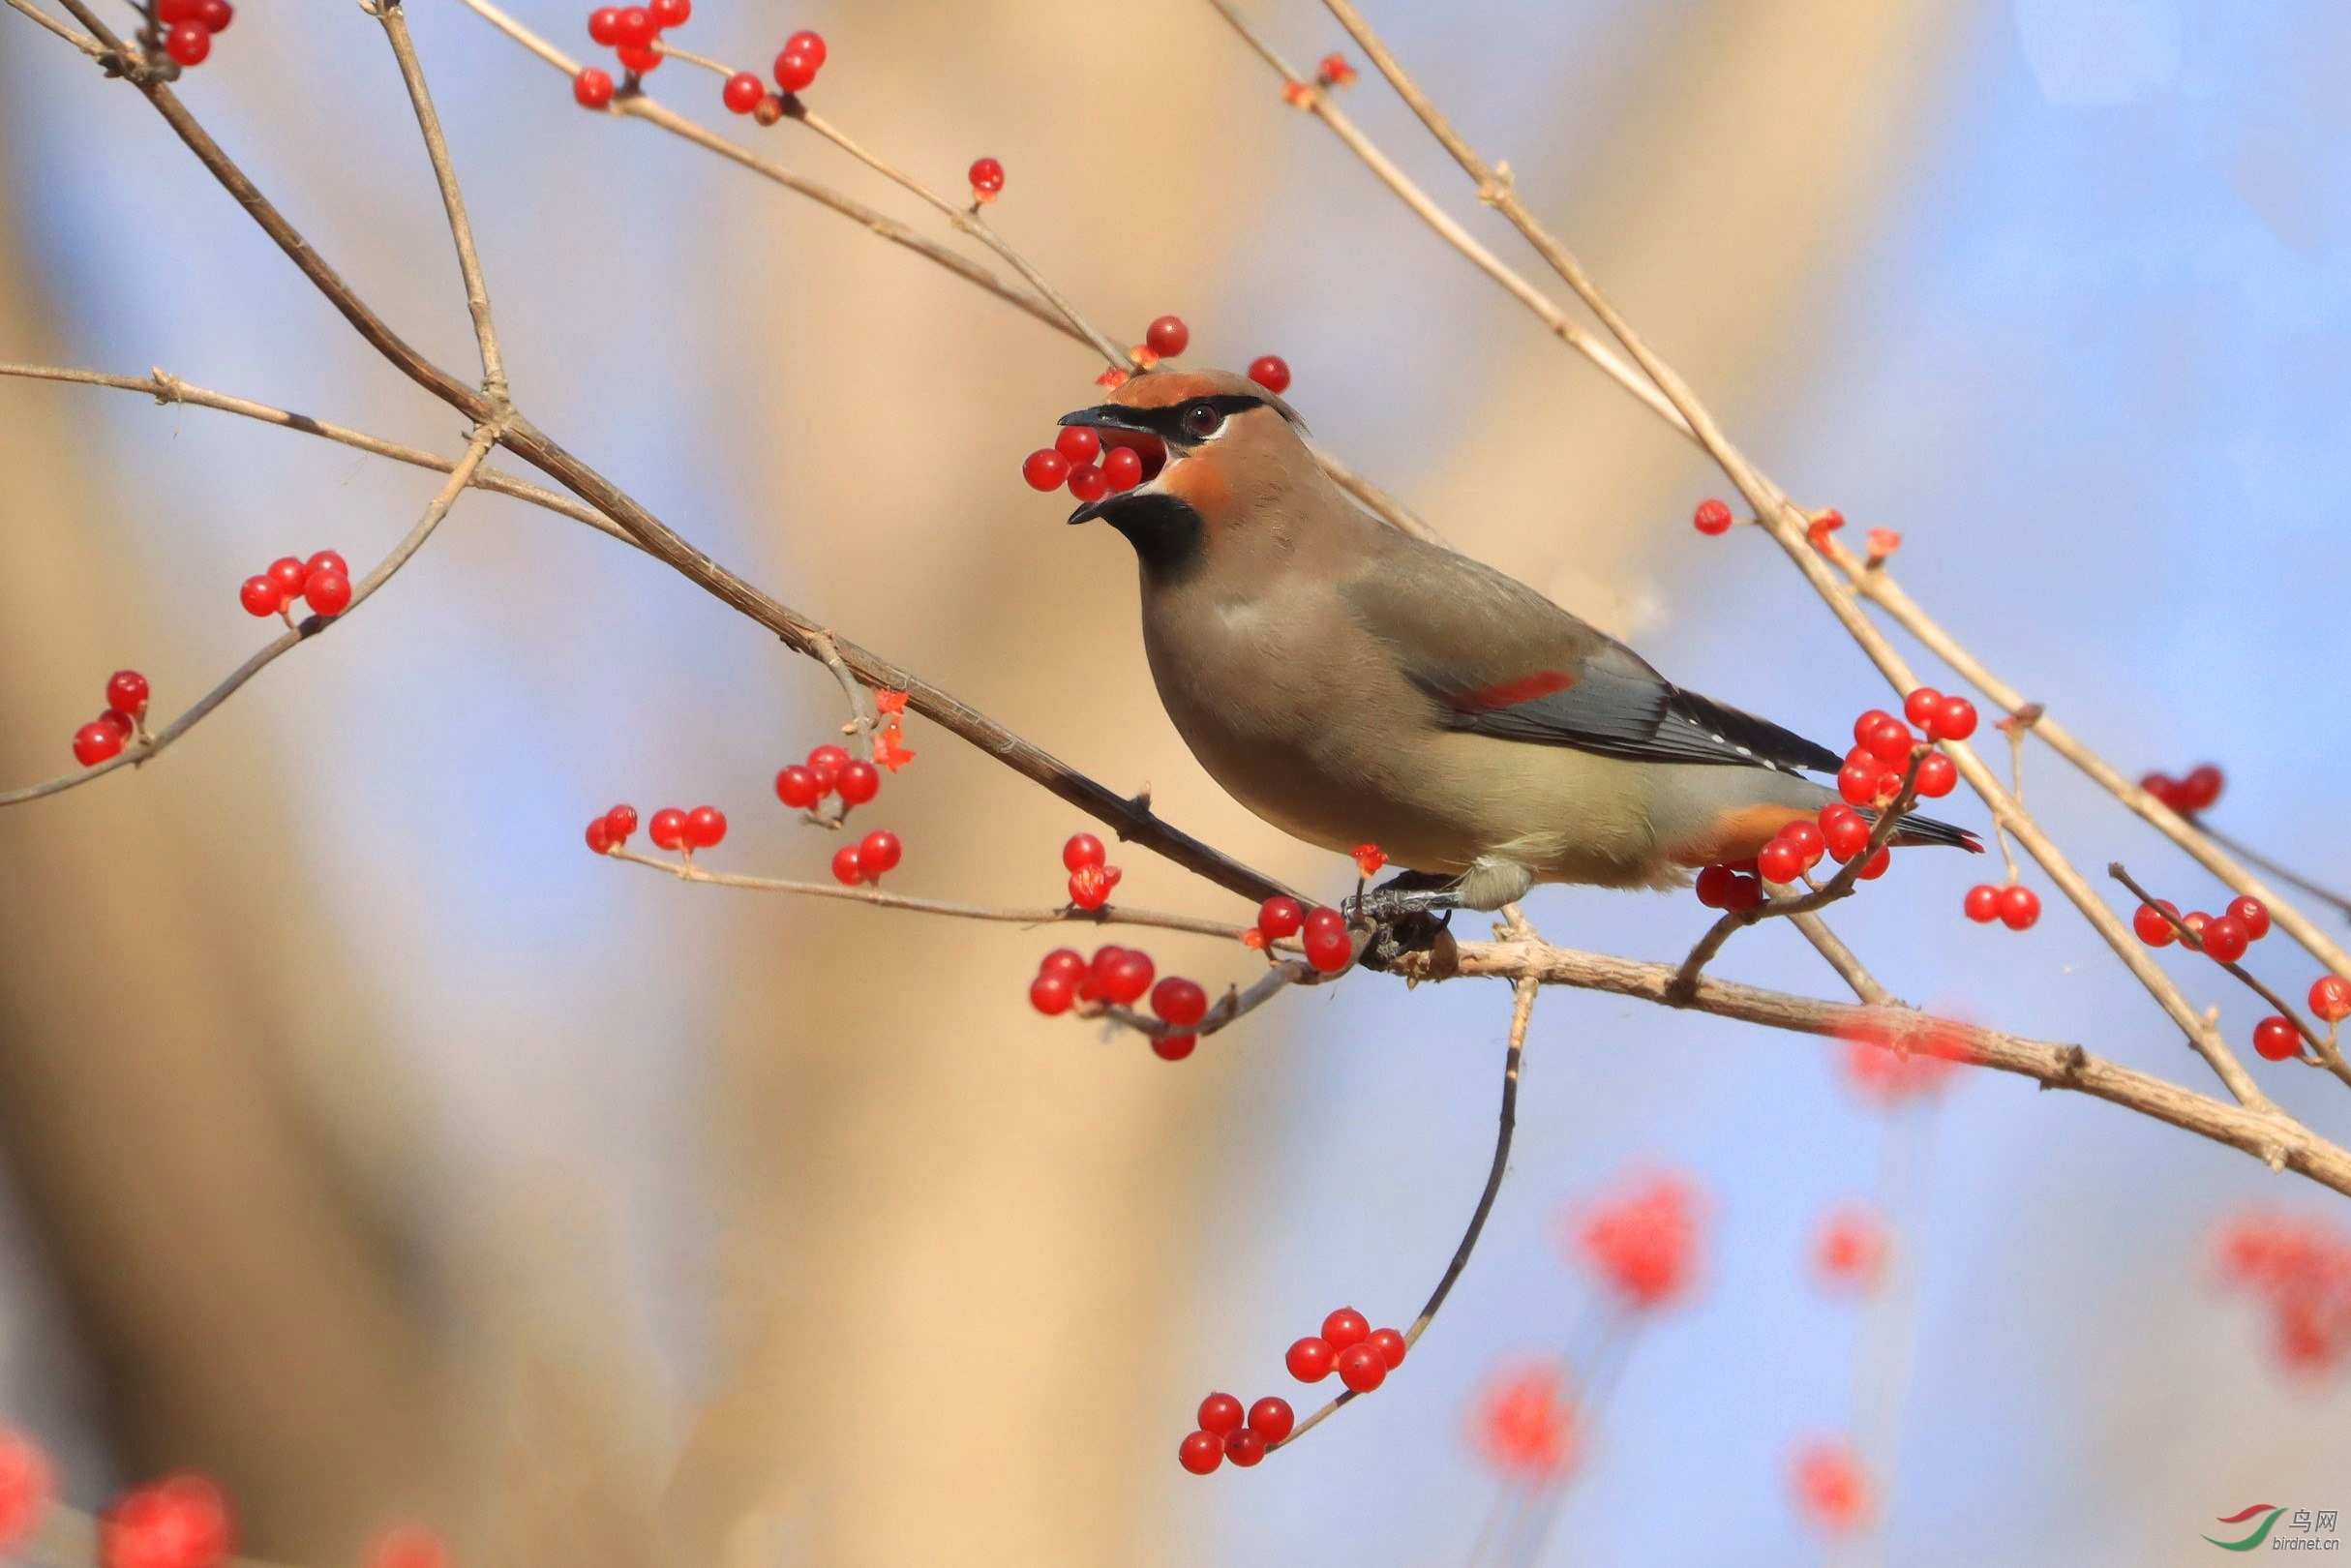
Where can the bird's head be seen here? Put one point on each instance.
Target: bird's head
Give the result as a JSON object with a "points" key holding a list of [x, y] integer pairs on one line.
{"points": [[1220, 455]]}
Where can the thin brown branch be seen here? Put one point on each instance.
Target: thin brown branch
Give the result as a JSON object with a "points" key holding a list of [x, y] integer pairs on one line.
{"points": [[1233, 1005], [2270, 1135], [166, 388], [145, 746], [1840, 958], [395, 22], [80, 41]]}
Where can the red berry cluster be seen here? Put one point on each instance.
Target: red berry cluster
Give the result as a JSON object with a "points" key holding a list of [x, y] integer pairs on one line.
{"points": [[2013, 905], [1839, 830], [1334, 72], [2300, 1270], [179, 1522], [106, 734], [1120, 976], [28, 1484], [1348, 1345], [1226, 1433], [1090, 879], [1883, 748], [1130, 459], [2195, 793], [1322, 933], [2223, 936], [1831, 1491], [323, 580], [671, 828], [1524, 1425], [869, 859], [612, 830], [828, 770], [1643, 1241], [189, 26], [631, 33]]}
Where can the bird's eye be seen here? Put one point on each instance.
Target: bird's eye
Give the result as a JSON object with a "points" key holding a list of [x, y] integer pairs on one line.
{"points": [[1202, 419]]}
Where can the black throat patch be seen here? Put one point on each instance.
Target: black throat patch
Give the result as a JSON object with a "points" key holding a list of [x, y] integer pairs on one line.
{"points": [[1167, 532]]}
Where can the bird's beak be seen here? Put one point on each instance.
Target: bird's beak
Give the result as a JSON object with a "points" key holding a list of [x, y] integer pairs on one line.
{"points": [[1106, 416], [1119, 427]]}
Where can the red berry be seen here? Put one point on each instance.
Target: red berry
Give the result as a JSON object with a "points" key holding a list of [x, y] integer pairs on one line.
{"points": [[1954, 719], [845, 867], [1712, 516], [879, 852], [1742, 893], [170, 11], [2153, 928], [824, 762], [189, 42], [1081, 851], [640, 59], [1270, 372], [1937, 774], [797, 788], [116, 719], [1122, 468], [215, 16], [1891, 743], [1169, 336], [1867, 724], [669, 14], [1270, 1417], [1088, 483], [1780, 862], [858, 781], [600, 838], [2019, 906], [1713, 887], [1125, 980], [1220, 1413], [1090, 887], [623, 821], [1244, 1448], [2195, 920], [1202, 1452], [1390, 1346], [128, 691], [1984, 903], [1328, 947], [705, 827], [1173, 1047], [591, 88], [1063, 961], [328, 560], [2201, 787], [794, 70], [1311, 1360], [1345, 1328], [2330, 998], [27, 1484], [1857, 781], [289, 575], [1921, 706], [1878, 865], [329, 593], [1279, 916], [1362, 1369], [94, 744], [1049, 993], [1846, 834], [742, 94], [987, 178], [2249, 912], [1079, 443], [1808, 839], [633, 28], [1046, 469], [2274, 1039], [1179, 1001], [667, 829], [808, 44], [2226, 939], [603, 25], [180, 1522]]}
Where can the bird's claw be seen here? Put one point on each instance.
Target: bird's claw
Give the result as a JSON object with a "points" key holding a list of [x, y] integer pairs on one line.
{"points": [[1410, 913]]}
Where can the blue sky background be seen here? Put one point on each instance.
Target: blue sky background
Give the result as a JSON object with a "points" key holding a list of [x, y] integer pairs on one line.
{"points": [[2094, 361]]}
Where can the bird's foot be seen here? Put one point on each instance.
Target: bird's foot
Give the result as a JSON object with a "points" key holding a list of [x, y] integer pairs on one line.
{"points": [[1408, 913]]}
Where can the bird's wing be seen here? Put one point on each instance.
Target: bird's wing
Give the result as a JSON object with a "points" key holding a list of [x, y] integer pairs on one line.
{"points": [[1502, 660]]}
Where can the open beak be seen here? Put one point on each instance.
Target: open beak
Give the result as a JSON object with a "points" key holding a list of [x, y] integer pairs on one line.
{"points": [[1117, 427]]}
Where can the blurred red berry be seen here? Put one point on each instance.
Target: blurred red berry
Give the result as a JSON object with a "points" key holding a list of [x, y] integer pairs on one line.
{"points": [[600, 836], [1831, 1492], [327, 560], [1937, 776], [1169, 336], [128, 691], [1046, 469], [2153, 928], [1368, 859], [808, 44], [1280, 916], [1328, 947], [1922, 707], [1984, 903], [189, 42], [2249, 912], [2201, 788], [1128, 979], [1090, 887], [1866, 725], [1335, 70], [1891, 743], [27, 1484], [1082, 851], [858, 781], [1849, 1249], [215, 16], [1390, 1346], [1780, 862], [642, 59], [1311, 1359], [1271, 1418], [1064, 961], [1173, 1047], [879, 852], [706, 826], [667, 14], [2330, 998], [95, 742], [1078, 443], [1523, 1423], [987, 178], [795, 70], [1878, 865], [1741, 893], [1180, 1002], [604, 24], [180, 1522], [2226, 939], [633, 28], [289, 575], [797, 787], [591, 88], [1345, 1328], [742, 94], [2275, 1039], [1122, 469], [1221, 1414], [1202, 1452], [409, 1546], [1847, 834], [824, 762], [622, 820], [1712, 516], [1244, 1448], [1954, 720], [1270, 372], [2019, 907], [667, 829], [1857, 781], [329, 593], [1088, 482], [845, 867], [1051, 993], [1643, 1239]]}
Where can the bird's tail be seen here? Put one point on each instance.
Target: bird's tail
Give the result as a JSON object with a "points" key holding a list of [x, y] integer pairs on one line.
{"points": [[1917, 829]]}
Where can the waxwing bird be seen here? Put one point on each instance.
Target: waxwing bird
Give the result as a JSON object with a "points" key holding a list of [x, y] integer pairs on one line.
{"points": [[1353, 684]]}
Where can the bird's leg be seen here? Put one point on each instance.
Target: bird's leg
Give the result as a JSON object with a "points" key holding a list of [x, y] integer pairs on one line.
{"points": [[1405, 910]]}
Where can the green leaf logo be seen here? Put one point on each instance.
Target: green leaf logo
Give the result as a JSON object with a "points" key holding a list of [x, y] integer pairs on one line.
{"points": [[2260, 1531]]}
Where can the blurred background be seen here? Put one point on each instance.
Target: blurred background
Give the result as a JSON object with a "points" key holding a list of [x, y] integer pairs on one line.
{"points": [[372, 1147]]}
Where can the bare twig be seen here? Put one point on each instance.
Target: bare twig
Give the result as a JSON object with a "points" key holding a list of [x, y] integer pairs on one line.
{"points": [[144, 747], [80, 41], [1233, 1005]]}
